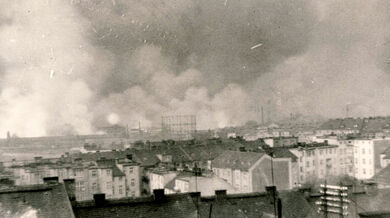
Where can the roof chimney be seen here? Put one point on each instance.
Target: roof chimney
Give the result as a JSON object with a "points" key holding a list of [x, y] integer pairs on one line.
{"points": [[220, 194], [195, 197], [100, 199], [159, 194], [50, 180]]}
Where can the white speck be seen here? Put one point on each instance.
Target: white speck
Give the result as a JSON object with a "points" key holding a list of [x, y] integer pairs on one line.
{"points": [[256, 46], [225, 2], [113, 2], [144, 41], [51, 74], [94, 29], [12, 40], [312, 81]]}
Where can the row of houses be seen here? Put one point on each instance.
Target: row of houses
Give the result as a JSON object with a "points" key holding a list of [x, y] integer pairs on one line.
{"points": [[116, 178]]}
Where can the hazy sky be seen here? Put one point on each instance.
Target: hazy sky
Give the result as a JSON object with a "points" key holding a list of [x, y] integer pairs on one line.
{"points": [[72, 65]]}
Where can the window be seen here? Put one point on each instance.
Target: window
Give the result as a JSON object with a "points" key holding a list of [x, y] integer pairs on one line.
{"points": [[320, 152], [330, 151], [108, 172], [94, 186], [108, 185], [131, 170], [307, 164], [364, 171], [363, 151], [120, 189], [301, 169], [313, 162], [93, 173], [321, 162], [132, 182]]}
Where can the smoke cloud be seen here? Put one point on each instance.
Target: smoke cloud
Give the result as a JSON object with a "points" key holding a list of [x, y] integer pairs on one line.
{"points": [[70, 66]]}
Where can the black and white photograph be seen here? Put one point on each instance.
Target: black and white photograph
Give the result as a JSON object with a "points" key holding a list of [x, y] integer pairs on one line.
{"points": [[194, 108]]}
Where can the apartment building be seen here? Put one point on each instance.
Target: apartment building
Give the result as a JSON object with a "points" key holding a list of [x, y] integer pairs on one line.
{"points": [[102, 176], [317, 161], [252, 171]]}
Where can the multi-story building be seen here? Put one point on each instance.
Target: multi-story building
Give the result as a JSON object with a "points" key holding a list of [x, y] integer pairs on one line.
{"points": [[133, 176], [367, 155], [116, 179], [252, 171], [316, 161]]}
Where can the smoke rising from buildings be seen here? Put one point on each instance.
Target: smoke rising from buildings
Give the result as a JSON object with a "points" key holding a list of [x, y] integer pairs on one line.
{"points": [[69, 66]]}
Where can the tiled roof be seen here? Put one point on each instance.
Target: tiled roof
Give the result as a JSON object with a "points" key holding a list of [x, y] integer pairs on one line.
{"points": [[45, 200], [236, 160]]}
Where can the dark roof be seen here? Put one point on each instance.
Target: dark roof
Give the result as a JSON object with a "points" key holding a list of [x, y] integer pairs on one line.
{"points": [[188, 205], [46, 200], [237, 160], [178, 205], [383, 176], [254, 205]]}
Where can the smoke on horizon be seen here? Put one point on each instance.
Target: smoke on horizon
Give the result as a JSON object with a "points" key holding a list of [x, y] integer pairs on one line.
{"points": [[67, 66]]}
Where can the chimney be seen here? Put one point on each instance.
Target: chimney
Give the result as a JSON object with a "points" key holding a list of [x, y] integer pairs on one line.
{"points": [[195, 197], [100, 199], [70, 189], [50, 180], [271, 193], [220, 194], [159, 194]]}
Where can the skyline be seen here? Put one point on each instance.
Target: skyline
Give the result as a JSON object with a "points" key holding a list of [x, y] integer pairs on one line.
{"points": [[71, 66]]}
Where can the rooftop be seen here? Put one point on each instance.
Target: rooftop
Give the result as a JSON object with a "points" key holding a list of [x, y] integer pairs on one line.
{"points": [[237, 160], [42, 200]]}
